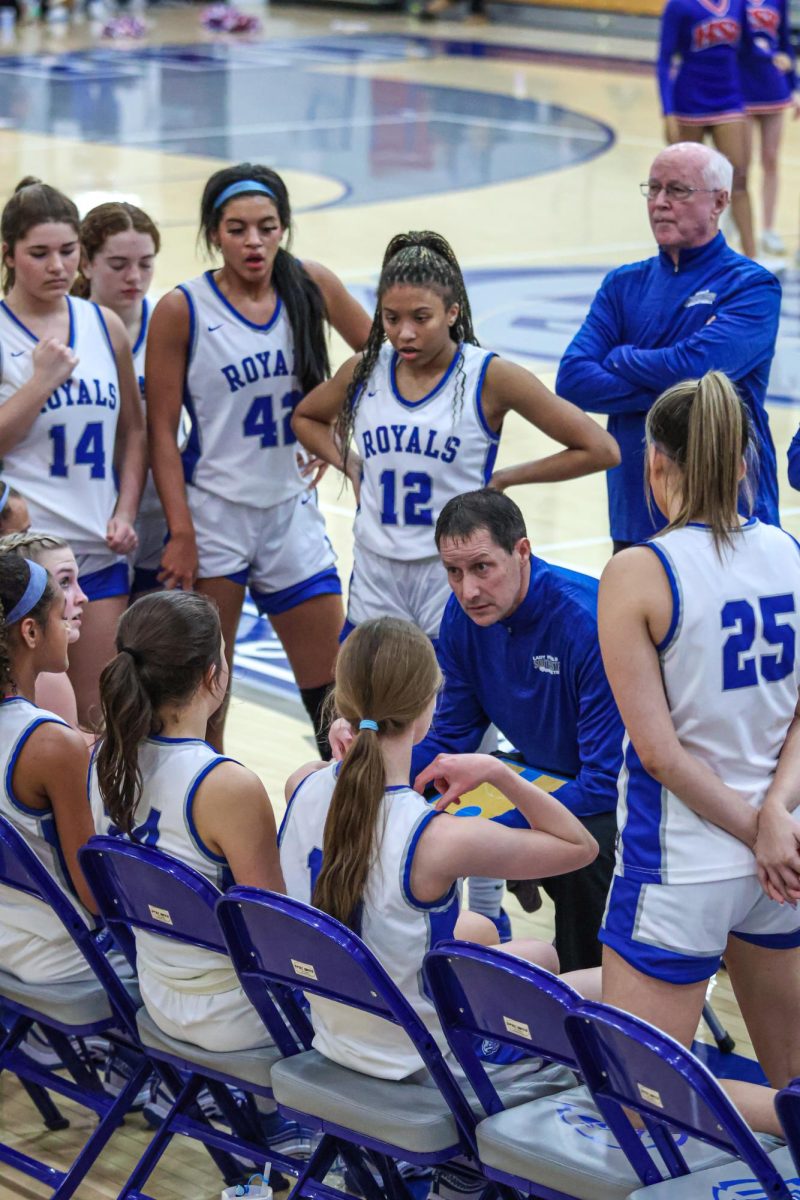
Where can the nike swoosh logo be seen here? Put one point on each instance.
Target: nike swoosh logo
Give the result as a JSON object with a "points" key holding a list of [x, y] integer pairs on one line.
{"points": [[212, 328], [16, 353], [372, 393]]}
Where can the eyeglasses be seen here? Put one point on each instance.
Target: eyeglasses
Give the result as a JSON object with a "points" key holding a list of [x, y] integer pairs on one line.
{"points": [[673, 191]]}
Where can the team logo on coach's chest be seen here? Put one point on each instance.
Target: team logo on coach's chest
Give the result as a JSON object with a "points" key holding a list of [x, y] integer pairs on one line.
{"points": [[703, 297], [550, 664]]}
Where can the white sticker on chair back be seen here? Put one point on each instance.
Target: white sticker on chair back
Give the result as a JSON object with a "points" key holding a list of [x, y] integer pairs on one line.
{"points": [[650, 1095], [304, 970], [160, 914], [519, 1028]]}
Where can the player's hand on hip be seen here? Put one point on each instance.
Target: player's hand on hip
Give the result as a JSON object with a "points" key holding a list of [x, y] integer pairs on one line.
{"points": [[340, 738], [53, 363], [179, 563], [455, 774], [782, 61], [121, 537], [777, 851], [312, 467]]}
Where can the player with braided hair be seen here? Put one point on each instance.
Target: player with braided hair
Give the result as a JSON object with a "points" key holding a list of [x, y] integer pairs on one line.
{"points": [[416, 419]]}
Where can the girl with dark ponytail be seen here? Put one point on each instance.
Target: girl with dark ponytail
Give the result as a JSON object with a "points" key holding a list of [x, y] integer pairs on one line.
{"points": [[700, 635], [360, 844], [160, 783], [240, 346], [43, 762], [424, 407]]}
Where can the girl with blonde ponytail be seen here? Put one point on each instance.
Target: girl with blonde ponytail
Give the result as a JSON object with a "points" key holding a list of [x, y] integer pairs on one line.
{"points": [[360, 844], [699, 635], [416, 418]]}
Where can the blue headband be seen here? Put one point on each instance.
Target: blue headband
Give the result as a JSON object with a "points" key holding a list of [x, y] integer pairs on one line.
{"points": [[32, 594], [236, 189], [4, 496], [367, 724]]}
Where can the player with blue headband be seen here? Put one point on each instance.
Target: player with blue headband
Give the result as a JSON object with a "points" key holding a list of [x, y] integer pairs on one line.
{"points": [[43, 761], [240, 346]]}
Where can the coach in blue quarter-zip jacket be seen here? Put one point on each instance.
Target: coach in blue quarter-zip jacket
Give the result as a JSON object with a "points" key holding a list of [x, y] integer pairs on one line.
{"points": [[518, 648], [697, 306]]}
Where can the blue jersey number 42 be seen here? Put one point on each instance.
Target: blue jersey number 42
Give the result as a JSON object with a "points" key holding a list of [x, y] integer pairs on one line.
{"points": [[741, 666]]}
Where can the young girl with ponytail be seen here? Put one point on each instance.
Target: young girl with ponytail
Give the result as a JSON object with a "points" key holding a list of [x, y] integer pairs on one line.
{"points": [[43, 764], [240, 346], [699, 635], [159, 782], [424, 406], [360, 844]]}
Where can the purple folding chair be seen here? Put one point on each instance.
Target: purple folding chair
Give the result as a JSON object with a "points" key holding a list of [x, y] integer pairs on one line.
{"points": [[141, 888], [628, 1064], [88, 1007], [274, 940], [557, 1144]]}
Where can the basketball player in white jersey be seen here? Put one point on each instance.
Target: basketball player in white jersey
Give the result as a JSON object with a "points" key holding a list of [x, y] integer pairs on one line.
{"points": [[240, 346], [699, 632], [71, 431], [53, 688], [360, 844], [425, 406], [119, 245], [213, 814], [43, 764]]}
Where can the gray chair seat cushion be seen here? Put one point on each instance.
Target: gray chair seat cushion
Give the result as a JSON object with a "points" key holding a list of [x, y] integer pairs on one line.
{"points": [[562, 1142], [410, 1115], [734, 1179], [83, 1002], [252, 1066]]}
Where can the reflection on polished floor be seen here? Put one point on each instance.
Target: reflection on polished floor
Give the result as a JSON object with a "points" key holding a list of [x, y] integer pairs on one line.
{"points": [[523, 146]]}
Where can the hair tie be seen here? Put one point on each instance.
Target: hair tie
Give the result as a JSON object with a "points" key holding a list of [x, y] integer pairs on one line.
{"points": [[368, 724], [6, 492], [135, 655], [242, 185], [33, 593]]}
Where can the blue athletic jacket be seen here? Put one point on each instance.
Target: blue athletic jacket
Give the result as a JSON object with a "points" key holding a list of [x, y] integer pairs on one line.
{"points": [[794, 461], [539, 678], [653, 324]]}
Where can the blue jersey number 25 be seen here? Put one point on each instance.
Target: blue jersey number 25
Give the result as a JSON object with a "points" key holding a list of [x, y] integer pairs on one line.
{"points": [[740, 666]]}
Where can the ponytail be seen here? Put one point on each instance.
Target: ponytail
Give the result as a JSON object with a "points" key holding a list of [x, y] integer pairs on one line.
{"points": [[704, 427], [128, 718], [386, 675], [166, 643]]}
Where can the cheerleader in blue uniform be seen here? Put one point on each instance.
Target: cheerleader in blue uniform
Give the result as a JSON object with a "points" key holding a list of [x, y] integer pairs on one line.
{"points": [[768, 82], [701, 91]]}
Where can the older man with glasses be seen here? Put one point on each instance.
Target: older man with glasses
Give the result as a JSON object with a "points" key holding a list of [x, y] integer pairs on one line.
{"points": [[696, 306]]}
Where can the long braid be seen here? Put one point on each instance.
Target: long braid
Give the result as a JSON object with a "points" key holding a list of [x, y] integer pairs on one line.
{"points": [[419, 259]]}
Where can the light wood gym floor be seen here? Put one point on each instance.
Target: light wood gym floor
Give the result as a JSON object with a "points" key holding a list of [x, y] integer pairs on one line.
{"points": [[588, 131]]}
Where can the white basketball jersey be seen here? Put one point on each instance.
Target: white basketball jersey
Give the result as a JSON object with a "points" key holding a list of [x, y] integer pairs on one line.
{"points": [[398, 928], [64, 466], [172, 771], [34, 945], [731, 671], [417, 455], [241, 390]]}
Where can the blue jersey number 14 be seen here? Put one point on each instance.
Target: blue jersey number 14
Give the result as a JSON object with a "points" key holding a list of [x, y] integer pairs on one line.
{"points": [[89, 451], [740, 667]]}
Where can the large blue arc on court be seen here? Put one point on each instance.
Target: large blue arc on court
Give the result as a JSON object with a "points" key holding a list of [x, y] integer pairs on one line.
{"points": [[297, 105]]}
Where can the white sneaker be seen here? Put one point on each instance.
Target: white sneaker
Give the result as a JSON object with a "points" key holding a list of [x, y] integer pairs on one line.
{"points": [[772, 242]]}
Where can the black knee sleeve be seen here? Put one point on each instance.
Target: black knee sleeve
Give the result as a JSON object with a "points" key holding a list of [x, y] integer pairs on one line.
{"points": [[314, 700]]}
